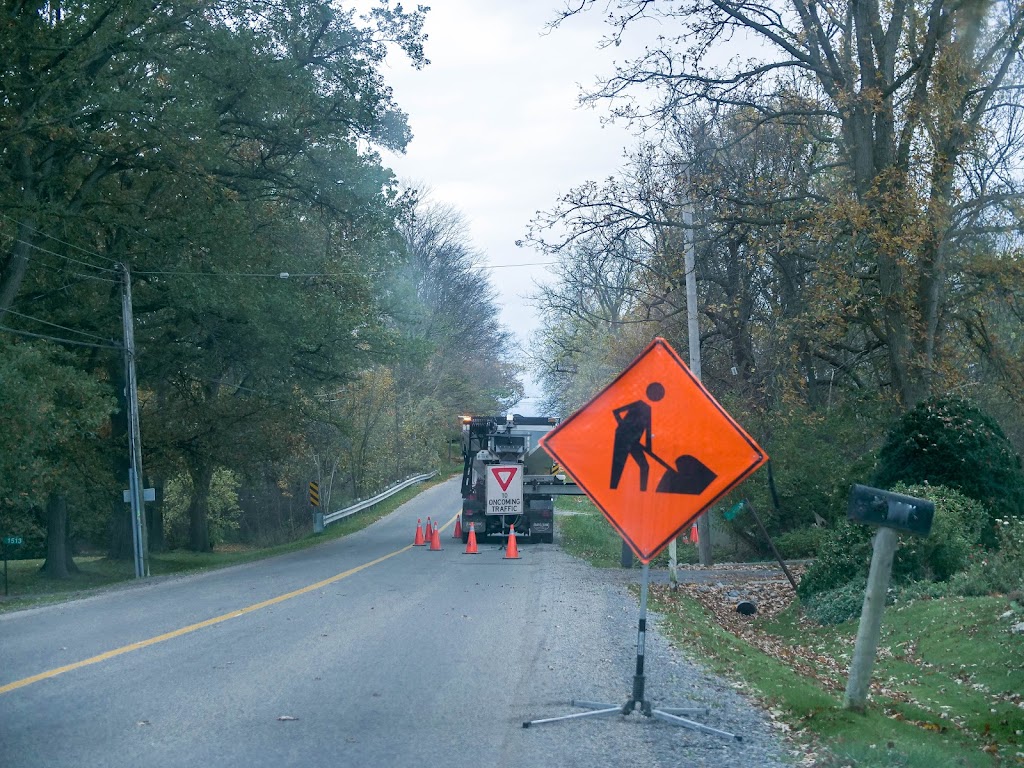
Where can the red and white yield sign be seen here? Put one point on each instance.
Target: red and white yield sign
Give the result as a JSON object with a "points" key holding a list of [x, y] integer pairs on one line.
{"points": [[653, 450]]}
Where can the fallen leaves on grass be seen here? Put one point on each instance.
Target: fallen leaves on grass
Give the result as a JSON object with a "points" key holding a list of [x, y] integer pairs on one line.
{"points": [[772, 594]]}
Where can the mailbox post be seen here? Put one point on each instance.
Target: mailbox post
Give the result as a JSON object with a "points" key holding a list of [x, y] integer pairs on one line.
{"points": [[891, 512], [10, 541]]}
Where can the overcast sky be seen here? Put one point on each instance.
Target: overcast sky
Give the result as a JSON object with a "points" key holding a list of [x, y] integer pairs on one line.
{"points": [[497, 132]]}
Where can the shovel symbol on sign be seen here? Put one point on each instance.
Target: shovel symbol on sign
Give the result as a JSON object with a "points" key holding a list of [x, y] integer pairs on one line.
{"points": [[633, 440], [689, 476]]}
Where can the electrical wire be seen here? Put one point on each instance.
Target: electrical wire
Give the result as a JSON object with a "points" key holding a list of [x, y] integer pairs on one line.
{"points": [[170, 273], [513, 266], [275, 275], [283, 275], [59, 340], [55, 325], [63, 256], [61, 271], [57, 239]]}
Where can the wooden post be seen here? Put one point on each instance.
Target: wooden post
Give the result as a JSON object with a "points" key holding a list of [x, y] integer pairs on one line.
{"points": [[704, 542], [870, 620], [626, 559]]}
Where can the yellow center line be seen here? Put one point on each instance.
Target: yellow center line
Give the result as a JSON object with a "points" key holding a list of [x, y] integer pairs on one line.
{"points": [[193, 627]]}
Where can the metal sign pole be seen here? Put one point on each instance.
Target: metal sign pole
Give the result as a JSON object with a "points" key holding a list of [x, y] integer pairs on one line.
{"points": [[637, 701], [641, 637]]}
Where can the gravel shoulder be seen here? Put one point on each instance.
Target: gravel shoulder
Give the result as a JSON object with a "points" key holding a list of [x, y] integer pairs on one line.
{"points": [[588, 651]]}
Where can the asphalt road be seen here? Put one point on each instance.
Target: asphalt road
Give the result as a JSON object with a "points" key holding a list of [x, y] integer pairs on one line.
{"points": [[360, 652]]}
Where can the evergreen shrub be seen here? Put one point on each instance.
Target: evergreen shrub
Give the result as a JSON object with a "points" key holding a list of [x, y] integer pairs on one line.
{"points": [[834, 606], [801, 542], [845, 555], [949, 441], [1000, 570]]}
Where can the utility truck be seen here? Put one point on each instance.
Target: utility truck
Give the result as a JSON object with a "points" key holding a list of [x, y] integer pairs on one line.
{"points": [[508, 479]]}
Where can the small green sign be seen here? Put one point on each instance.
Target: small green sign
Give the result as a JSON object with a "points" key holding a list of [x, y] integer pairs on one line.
{"points": [[13, 541]]}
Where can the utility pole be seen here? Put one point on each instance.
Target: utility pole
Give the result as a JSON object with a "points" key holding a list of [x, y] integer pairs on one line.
{"points": [[690, 265], [693, 331], [135, 482]]}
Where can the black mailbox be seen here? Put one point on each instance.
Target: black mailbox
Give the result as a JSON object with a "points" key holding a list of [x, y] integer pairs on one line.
{"points": [[893, 510]]}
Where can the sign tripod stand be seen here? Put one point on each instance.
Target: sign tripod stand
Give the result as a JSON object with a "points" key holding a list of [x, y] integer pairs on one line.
{"points": [[673, 715]]}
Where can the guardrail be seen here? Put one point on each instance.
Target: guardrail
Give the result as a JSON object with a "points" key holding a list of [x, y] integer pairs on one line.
{"points": [[334, 517]]}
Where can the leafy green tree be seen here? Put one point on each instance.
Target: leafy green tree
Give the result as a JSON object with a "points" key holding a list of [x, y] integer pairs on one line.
{"points": [[223, 511], [50, 445], [208, 148]]}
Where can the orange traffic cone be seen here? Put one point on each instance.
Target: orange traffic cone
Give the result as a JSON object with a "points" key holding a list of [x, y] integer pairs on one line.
{"points": [[418, 541], [694, 538], [457, 533], [435, 540], [471, 542], [511, 548]]}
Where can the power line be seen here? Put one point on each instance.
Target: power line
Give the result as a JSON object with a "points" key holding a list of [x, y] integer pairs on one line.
{"points": [[513, 266], [54, 325], [64, 271], [59, 340], [275, 275], [57, 239], [62, 256], [286, 275]]}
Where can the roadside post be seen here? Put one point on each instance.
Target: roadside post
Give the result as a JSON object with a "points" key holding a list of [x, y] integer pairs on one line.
{"points": [[10, 541], [891, 513], [653, 450], [314, 501], [626, 559]]}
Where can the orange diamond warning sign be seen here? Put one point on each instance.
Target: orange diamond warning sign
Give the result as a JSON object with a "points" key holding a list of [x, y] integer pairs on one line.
{"points": [[653, 450]]}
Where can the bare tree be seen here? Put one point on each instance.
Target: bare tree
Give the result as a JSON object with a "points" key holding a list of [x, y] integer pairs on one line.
{"points": [[588, 313], [922, 104]]}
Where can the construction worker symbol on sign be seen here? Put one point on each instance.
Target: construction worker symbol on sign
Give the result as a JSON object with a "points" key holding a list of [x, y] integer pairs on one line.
{"points": [[633, 439]]}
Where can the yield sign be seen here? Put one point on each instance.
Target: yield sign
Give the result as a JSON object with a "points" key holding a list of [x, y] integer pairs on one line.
{"points": [[653, 450], [504, 476]]}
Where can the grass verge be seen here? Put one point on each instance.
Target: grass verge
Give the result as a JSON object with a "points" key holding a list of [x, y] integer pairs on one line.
{"points": [[948, 677], [28, 587]]}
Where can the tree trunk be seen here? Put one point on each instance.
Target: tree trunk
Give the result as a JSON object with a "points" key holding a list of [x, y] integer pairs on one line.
{"points": [[199, 505], [15, 265], [58, 564]]}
